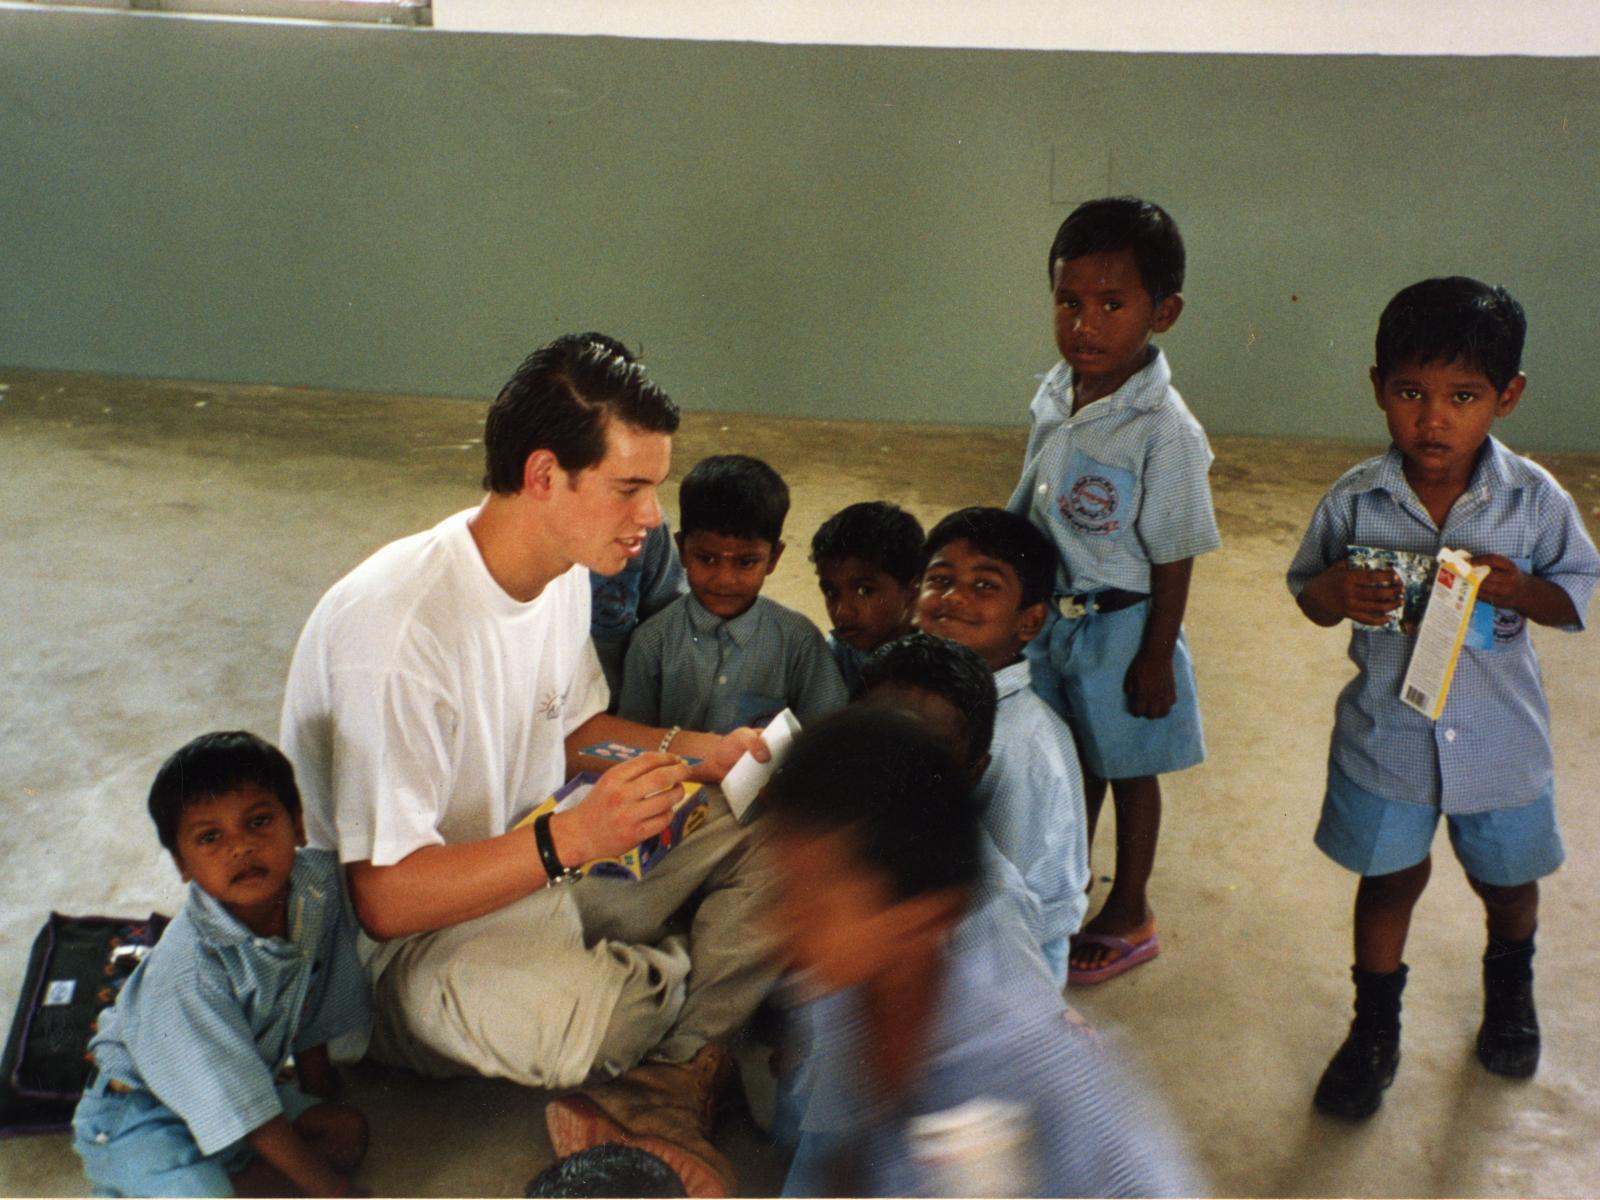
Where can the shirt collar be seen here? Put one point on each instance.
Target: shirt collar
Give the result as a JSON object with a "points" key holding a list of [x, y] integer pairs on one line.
{"points": [[219, 927], [1145, 389], [741, 628], [1008, 681], [1492, 472]]}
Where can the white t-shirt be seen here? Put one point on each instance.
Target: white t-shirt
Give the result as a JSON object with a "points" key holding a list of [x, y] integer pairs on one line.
{"points": [[425, 706]]}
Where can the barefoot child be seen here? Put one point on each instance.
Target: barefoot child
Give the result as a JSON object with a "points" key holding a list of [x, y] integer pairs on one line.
{"points": [[260, 965], [1448, 357], [1115, 475]]}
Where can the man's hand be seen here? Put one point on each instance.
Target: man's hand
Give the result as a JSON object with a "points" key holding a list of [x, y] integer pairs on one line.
{"points": [[631, 802], [1370, 597], [1149, 684], [727, 750]]}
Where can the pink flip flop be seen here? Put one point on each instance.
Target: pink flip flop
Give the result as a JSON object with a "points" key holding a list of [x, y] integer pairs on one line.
{"points": [[1127, 956]]}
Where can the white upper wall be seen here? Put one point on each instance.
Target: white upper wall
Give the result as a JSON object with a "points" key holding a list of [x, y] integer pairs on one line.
{"points": [[1560, 28]]}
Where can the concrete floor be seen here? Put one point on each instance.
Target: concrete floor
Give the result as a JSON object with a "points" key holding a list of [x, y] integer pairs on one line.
{"points": [[163, 544]]}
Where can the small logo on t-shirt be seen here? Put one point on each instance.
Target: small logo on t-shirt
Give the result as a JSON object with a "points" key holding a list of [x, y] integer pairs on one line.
{"points": [[1091, 504], [551, 704]]}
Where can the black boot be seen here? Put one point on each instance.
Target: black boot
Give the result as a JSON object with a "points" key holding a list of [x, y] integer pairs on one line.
{"points": [[1508, 1040], [1353, 1084]]}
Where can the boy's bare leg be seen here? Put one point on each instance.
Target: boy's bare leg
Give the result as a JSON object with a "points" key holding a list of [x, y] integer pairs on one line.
{"points": [[1513, 912], [1126, 912], [1094, 797], [1383, 916], [338, 1132]]}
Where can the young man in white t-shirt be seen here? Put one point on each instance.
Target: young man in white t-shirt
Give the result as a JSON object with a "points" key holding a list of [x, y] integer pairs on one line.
{"points": [[445, 687]]}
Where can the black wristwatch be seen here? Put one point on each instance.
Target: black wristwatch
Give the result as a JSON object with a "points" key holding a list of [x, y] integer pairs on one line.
{"points": [[554, 872]]}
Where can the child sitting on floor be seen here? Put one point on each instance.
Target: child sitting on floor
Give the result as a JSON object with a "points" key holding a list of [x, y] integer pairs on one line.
{"points": [[986, 576], [867, 558], [724, 656], [260, 965], [1449, 353], [948, 1064]]}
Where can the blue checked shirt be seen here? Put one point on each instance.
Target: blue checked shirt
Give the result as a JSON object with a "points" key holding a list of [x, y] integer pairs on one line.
{"points": [[1490, 747], [848, 659], [1000, 1033], [1032, 794], [642, 588], [209, 1017], [689, 667], [1120, 485]]}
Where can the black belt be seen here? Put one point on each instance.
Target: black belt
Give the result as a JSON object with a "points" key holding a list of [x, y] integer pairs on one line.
{"points": [[1107, 600]]}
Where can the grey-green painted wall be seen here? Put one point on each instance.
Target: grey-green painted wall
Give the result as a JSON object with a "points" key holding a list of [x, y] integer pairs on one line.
{"points": [[840, 232]]}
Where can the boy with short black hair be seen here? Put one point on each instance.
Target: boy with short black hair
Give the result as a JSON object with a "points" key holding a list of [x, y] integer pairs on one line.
{"points": [[986, 576], [725, 656], [875, 850], [867, 557], [1115, 475], [260, 965], [1448, 365]]}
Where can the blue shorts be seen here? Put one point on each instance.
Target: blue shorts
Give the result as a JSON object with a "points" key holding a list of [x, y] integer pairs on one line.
{"points": [[131, 1144], [1079, 666], [1373, 836]]}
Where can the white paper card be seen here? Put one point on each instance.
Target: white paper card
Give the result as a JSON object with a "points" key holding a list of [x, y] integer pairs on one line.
{"points": [[748, 776]]}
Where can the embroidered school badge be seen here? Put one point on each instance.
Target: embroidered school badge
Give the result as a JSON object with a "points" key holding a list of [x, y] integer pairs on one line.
{"points": [[1090, 505]]}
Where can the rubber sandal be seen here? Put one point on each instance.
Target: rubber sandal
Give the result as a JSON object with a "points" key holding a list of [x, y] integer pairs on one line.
{"points": [[1127, 956]]}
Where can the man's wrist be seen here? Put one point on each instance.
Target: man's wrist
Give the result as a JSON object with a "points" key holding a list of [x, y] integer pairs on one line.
{"points": [[556, 870]]}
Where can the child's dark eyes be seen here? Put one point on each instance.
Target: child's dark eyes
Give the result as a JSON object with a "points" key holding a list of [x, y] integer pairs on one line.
{"points": [[260, 820], [206, 838], [865, 591], [749, 564]]}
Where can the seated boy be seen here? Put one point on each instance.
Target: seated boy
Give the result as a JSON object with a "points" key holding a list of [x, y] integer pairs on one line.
{"points": [[925, 1039], [867, 558], [260, 965], [724, 656], [649, 582], [986, 576], [1448, 360], [1115, 475]]}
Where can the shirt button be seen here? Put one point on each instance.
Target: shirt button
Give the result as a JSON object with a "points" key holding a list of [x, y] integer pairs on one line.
{"points": [[102, 1138], [722, 679], [1449, 735], [1043, 488]]}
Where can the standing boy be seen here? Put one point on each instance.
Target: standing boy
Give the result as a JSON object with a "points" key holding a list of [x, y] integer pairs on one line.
{"points": [[867, 557], [725, 656], [1115, 475], [985, 579], [260, 965], [1448, 364]]}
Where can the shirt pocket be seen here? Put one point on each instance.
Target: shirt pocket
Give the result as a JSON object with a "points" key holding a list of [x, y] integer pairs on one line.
{"points": [[1095, 499], [757, 710]]}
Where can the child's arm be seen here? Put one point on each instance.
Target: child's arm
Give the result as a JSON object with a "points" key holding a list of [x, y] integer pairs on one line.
{"points": [[1149, 683], [1508, 586], [316, 1073], [285, 1150], [1369, 597]]}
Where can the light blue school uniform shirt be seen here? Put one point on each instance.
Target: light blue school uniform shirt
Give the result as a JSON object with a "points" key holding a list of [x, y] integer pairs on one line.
{"points": [[1120, 485], [212, 1013], [1490, 747], [848, 659], [689, 667], [1000, 1034], [1032, 794], [643, 587]]}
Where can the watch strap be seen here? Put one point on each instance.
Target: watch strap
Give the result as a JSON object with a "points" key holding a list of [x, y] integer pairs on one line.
{"points": [[554, 871]]}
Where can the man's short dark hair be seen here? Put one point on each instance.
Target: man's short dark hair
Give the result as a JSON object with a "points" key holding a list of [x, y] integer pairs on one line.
{"points": [[944, 668], [881, 534], [1007, 536], [212, 765], [883, 775], [609, 1169], [734, 495], [1453, 319], [1125, 223], [563, 398]]}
